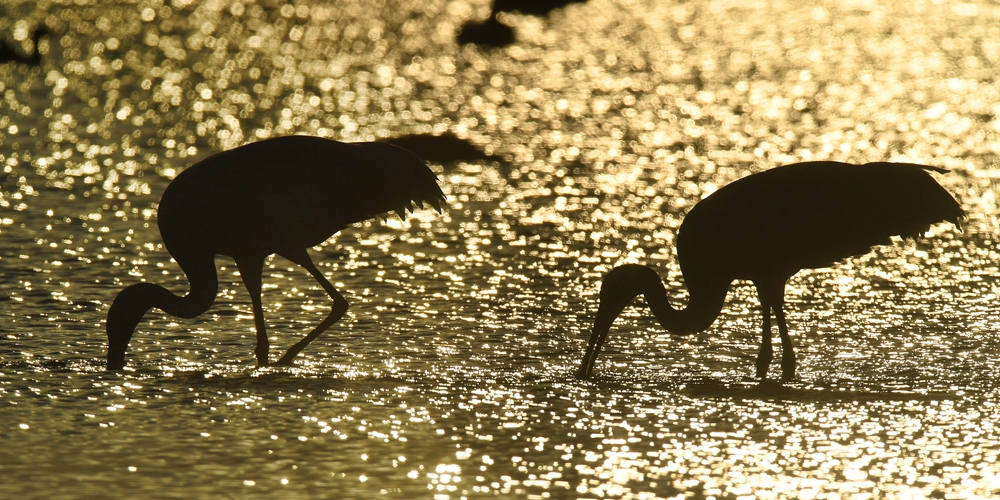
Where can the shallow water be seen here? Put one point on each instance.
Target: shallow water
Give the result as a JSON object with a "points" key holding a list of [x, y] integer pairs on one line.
{"points": [[453, 373]]}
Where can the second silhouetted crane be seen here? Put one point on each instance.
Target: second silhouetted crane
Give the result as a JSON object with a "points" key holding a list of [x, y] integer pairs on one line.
{"points": [[283, 196], [493, 33], [8, 53], [768, 226]]}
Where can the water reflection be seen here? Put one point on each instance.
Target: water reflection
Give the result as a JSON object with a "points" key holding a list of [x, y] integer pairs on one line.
{"points": [[466, 330]]}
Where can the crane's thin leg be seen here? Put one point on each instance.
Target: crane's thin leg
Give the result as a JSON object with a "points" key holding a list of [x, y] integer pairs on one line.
{"points": [[251, 270], [766, 353], [340, 304], [787, 351]]}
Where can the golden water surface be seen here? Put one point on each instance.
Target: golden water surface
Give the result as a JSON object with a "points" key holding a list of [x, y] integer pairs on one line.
{"points": [[452, 376]]}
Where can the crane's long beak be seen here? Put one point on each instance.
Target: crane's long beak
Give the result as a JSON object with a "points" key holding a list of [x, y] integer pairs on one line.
{"points": [[617, 291], [119, 334], [116, 360], [593, 348], [602, 325]]}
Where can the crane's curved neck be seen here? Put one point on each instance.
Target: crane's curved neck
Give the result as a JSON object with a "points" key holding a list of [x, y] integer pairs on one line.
{"points": [[625, 283], [141, 297], [132, 303], [704, 305]]}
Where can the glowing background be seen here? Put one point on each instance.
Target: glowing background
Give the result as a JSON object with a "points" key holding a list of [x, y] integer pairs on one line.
{"points": [[452, 375]]}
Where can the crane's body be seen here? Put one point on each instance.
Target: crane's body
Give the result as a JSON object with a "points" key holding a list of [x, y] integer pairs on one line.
{"points": [[277, 196], [293, 191], [765, 228], [808, 215]]}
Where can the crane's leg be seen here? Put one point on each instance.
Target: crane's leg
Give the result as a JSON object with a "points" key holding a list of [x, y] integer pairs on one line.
{"points": [[340, 304], [787, 352], [251, 270], [766, 353]]}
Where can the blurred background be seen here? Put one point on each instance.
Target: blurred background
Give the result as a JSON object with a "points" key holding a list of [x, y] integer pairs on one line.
{"points": [[569, 138]]}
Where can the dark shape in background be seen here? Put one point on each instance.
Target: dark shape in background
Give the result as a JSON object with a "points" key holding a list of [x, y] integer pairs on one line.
{"points": [[493, 33], [277, 196], [445, 149], [768, 226], [12, 53]]}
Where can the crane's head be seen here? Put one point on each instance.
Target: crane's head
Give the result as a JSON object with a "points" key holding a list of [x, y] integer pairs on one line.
{"points": [[620, 287]]}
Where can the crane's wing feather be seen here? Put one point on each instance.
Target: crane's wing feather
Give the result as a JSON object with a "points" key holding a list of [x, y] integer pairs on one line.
{"points": [[293, 191], [811, 215]]}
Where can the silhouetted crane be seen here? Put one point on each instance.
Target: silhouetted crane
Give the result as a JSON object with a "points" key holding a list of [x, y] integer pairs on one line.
{"points": [[283, 196], [11, 54], [768, 226]]}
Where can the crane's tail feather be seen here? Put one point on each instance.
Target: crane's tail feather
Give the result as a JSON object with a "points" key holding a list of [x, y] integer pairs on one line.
{"points": [[939, 170], [436, 203], [398, 180], [931, 168]]}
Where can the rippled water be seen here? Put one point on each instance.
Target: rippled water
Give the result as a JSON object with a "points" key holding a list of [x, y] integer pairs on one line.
{"points": [[453, 373]]}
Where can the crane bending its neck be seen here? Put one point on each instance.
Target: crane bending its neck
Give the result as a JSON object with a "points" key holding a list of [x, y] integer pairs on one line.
{"points": [[133, 302], [625, 283]]}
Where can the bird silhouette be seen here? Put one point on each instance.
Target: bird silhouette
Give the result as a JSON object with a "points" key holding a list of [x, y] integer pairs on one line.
{"points": [[493, 33], [446, 149], [768, 226], [9, 53], [277, 196]]}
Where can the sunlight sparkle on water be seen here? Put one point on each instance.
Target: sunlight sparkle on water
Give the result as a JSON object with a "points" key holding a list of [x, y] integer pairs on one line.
{"points": [[452, 375]]}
